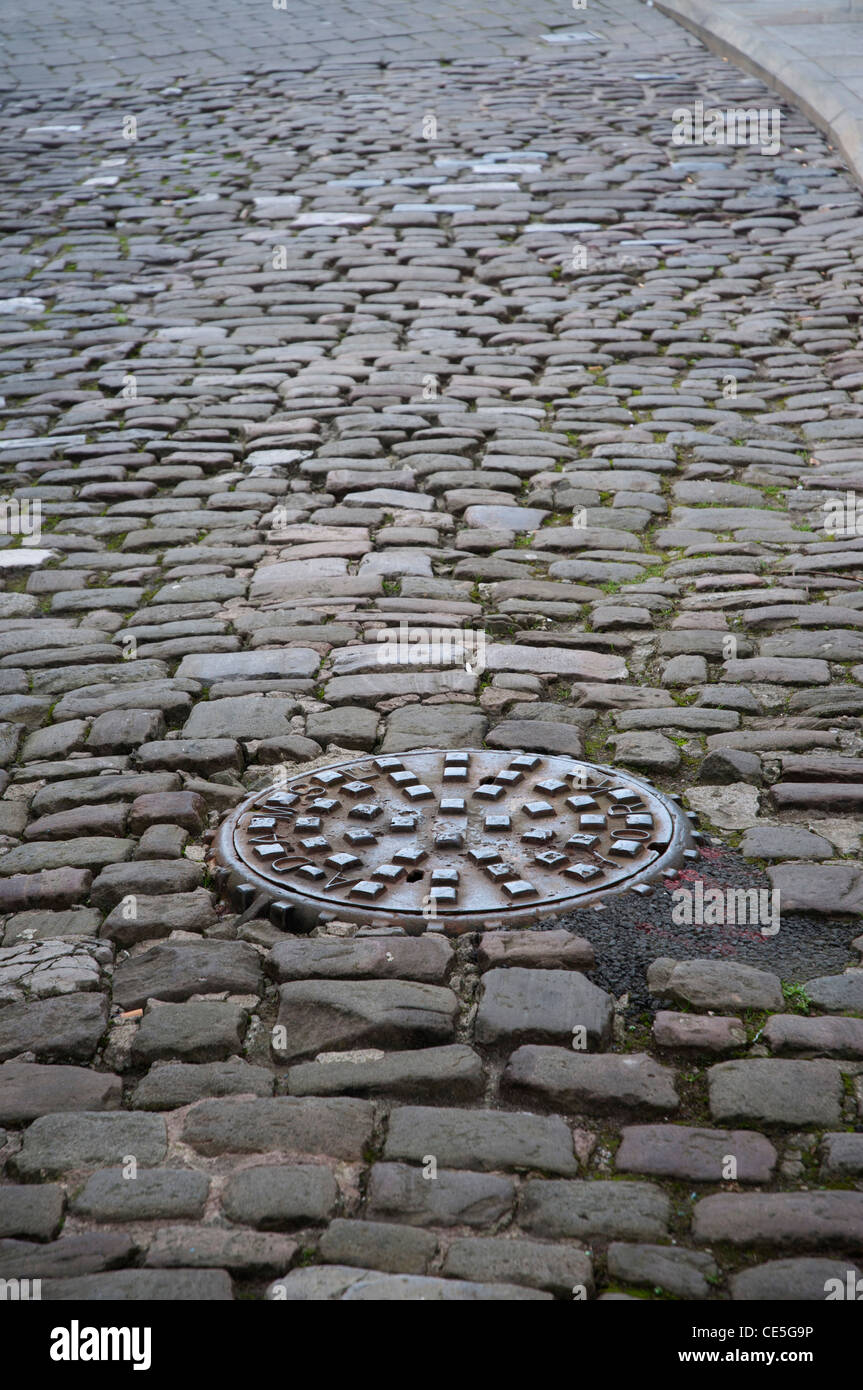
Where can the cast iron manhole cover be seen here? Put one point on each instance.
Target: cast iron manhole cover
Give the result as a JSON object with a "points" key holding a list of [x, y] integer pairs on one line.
{"points": [[454, 840]]}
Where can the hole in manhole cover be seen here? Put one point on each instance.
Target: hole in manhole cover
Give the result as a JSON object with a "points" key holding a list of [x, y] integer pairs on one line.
{"points": [[453, 840]]}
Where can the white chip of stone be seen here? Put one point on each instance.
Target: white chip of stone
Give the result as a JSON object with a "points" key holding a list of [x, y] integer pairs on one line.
{"points": [[365, 1054], [39, 442], [259, 458], [507, 168], [332, 219], [586, 37], [21, 559], [734, 806], [561, 227], [356, 181], [26, 304], [478, 188], [276, 207], [434, 207], [204, 336]]}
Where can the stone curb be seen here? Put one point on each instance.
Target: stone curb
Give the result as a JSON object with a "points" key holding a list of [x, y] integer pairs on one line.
{"points": [[828, 101]]}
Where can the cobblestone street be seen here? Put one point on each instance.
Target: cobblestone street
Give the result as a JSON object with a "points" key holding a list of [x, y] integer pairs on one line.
{"points": [[401, 323]]}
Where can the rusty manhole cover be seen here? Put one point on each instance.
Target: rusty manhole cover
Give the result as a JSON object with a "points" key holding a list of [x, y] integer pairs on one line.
{"points": [[455, 840]]}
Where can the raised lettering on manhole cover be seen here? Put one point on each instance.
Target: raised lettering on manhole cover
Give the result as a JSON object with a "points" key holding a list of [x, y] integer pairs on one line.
{"points": [[460, 840]]}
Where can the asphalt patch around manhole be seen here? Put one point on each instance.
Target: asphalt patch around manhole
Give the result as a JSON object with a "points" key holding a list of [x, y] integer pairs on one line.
{"points": [[629, 932]]}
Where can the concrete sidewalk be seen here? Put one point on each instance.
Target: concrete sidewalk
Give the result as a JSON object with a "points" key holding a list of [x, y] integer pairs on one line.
{"points": [[812, 55]]}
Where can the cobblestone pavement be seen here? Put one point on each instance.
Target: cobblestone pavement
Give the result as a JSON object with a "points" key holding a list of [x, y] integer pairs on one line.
{"points": [[464, 346], [113, 39]]}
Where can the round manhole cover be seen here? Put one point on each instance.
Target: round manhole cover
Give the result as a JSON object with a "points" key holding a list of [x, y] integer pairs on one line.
{"points": [[455, 840]]}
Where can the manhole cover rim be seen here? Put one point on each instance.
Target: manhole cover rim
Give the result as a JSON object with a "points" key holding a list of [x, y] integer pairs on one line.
{"points": [[300, 907]]}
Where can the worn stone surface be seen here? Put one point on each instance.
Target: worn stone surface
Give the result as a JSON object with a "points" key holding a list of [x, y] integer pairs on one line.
{"points": [[174, 971], [157, 1194], [776, 1091], [843, 1155], [378, 1245], [401, 1193], [332, 1015], [549, 950], [431, 1073], [89, 1253], [202, 1032], [276, 1198], [559, 1268], [158, 915], [425, 958], [713, 984], [54, 1030], [142, 1286], [825, 1037], [28, 1090], [480, 1139], [703, 1033], [34, 1212], [542, 1006], [341, 1128], [678, 1151], [347, 1285], [837, 993], [168, 1085], [41, 969], [805, 1279], [55, 1143], [681, 1272], [623, 1210], [825, 1220], [243, 1253], [593, 1085]]}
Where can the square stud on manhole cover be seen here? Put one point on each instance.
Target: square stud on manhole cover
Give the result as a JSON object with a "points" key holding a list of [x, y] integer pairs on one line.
{"points": [[361, 837], [489, 791], [509, 777], [412, 854], [518, 889], [403, 778], [367, 889], [418, 792], [389, 873], [449, 838], [552, 786]]}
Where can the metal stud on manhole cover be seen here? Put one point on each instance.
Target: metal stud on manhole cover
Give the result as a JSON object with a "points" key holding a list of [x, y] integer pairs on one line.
{"points": [[455, 840]]}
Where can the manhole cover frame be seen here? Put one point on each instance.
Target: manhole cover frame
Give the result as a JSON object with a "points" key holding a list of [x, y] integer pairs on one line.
{"points": [[260, 890]]}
